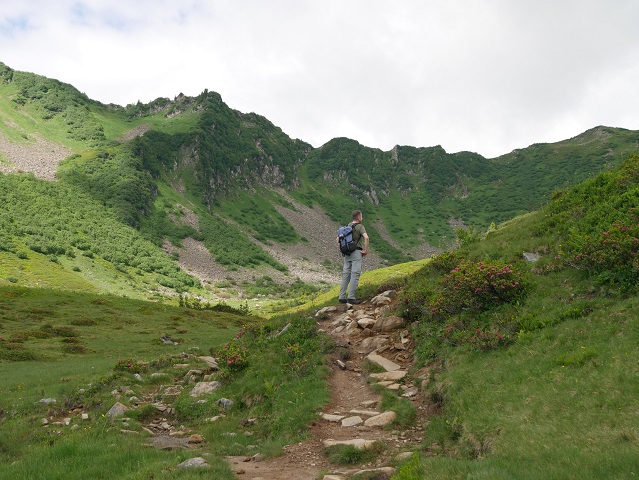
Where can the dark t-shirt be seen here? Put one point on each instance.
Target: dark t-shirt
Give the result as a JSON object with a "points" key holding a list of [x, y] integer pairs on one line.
{"points": [[358, 234]]}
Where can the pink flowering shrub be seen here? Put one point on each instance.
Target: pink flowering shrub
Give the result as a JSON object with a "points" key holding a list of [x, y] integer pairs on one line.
{"points": [[467, 306], [477, 286], [233, 356]]}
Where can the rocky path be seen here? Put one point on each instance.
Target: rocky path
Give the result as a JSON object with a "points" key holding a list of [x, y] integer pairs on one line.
{"points": [[363, 333], [368, 339]]}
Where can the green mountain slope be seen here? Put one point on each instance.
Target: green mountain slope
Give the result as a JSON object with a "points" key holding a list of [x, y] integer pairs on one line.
{"points": [[530, 361], [192, 169]]}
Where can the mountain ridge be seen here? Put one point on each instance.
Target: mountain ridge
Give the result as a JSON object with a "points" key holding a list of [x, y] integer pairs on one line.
{"points": [[150, 162]]}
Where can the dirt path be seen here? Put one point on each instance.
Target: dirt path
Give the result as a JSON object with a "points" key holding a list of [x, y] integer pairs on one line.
{"points": [[351, 395]]}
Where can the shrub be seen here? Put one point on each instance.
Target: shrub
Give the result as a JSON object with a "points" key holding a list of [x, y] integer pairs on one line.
{"points": [[478, 286], [614, 252], [233, 357], [130, 365]]}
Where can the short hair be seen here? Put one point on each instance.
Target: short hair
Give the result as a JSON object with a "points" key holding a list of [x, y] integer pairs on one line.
{"points": [[356, 214]]}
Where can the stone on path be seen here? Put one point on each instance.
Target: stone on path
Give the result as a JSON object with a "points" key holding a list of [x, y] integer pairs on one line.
{"points": [[388, 324], [394, 375], [332, 418], [410, 392], [364, 413], [358, 443], [333, 477], [373, 343], [202, 388], [193, 462], [386, 364], [352, 421], [394, 386], [366, 322], [381, 420], [325, 311], [388, 472]]}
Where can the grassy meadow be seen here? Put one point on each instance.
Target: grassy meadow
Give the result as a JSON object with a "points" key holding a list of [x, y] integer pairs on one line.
{"points": [[532, 363], [83, 350]]}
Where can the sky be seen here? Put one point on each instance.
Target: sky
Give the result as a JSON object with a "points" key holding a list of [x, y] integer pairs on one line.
{"points": [[485, 76]]}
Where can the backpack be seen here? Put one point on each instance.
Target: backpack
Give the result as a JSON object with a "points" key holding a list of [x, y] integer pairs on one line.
{"points": [[347, 244]]}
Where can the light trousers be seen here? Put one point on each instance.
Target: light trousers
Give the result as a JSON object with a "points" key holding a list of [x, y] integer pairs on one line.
{"points": [[350, 274]]}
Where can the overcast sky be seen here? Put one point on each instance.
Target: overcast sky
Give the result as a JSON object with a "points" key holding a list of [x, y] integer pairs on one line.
{"points": [[486, 76]]}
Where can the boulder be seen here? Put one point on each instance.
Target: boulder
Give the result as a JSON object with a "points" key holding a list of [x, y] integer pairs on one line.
{"points": [[202, 388]]}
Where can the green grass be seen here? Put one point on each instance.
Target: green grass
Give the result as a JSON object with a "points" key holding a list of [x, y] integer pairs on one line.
{"points": [[281, 385], [558, 398]]}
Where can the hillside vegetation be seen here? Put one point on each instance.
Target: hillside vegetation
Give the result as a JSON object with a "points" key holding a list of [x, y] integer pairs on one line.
{"points": [[152, 165], [529, 331], [530, 361]]}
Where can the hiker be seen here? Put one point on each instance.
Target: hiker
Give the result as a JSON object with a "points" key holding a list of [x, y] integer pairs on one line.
{"points": [[353, 261]]}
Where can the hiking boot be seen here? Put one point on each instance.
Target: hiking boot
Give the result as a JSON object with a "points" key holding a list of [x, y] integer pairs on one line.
{"points": [[343, 300], [352, 301]]}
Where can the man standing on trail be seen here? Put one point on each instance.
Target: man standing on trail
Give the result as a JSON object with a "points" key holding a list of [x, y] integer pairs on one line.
{"points": [[353, 261]]}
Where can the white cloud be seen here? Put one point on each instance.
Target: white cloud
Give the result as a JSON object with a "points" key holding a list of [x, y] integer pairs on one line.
{"points": [[483, 76]]}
